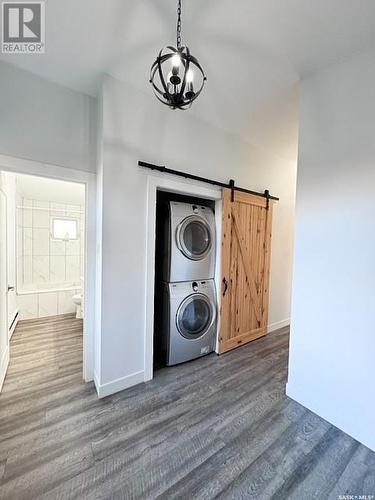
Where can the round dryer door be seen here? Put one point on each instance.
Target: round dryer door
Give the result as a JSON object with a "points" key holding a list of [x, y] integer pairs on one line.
{"points": [[195, 316], [194, 237]]}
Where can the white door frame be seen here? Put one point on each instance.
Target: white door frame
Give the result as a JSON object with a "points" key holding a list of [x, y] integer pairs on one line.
{"points": [[192, 188], [30, 167], [4, 356]]}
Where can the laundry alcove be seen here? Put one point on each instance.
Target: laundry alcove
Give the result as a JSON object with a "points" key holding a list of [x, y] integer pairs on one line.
{"points": [[243, 241], [185, 306]]}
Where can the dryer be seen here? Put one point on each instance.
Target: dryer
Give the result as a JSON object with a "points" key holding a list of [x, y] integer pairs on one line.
{"points": [[189, 242], [188, 321]]}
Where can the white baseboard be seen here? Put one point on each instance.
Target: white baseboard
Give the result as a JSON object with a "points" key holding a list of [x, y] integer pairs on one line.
{"points": [[96, 383], [122, 383], [119, 384], [279, 324], [294, 392], [4, 366]]}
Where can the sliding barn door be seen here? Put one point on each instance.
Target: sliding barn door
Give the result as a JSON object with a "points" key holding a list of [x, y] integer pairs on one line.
{"points": [[246, 245]]}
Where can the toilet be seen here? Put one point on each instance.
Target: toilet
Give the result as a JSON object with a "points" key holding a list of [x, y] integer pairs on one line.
{"points": [[78, 301]]}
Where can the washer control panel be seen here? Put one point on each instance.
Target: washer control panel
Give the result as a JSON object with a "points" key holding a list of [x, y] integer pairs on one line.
{"points": [[183, 288], [199, 285]]}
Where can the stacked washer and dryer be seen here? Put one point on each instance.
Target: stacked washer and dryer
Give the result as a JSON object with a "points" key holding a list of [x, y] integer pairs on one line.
{"points": [[187, 316]]}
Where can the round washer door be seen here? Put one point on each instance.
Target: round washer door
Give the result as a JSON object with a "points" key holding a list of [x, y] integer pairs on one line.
{"points": [[195, 316], [194, 237]]}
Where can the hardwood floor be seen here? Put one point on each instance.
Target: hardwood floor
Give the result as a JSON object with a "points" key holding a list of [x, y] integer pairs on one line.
{"points": [[214, 427]]}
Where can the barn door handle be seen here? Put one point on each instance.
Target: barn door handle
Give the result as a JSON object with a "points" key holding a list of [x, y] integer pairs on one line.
{"points": [[225, 283]]}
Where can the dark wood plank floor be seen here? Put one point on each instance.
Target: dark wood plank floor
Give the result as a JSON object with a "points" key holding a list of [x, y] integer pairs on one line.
{"points": [[215, 427]]}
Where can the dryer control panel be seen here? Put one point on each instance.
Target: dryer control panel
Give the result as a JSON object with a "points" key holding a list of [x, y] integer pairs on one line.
{"points": [[185, 209]]}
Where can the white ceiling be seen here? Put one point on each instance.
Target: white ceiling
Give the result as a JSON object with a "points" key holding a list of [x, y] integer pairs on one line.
{"points": [[253, 51], [42, 188]]}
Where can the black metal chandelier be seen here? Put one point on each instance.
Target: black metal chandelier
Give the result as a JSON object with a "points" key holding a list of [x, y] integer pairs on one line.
{"points": [[176, 76]]}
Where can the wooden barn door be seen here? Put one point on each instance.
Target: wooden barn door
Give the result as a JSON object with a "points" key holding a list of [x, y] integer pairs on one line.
{"points": [[246, 245]]}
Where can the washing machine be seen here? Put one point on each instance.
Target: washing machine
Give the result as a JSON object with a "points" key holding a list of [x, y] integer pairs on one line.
{"points": [[189, 242], [188, 322]]}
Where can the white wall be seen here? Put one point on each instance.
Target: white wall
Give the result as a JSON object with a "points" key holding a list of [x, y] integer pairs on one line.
{"points": [[331, 369], [49, 130], [45, 122], [99, 245], [136, 127]]}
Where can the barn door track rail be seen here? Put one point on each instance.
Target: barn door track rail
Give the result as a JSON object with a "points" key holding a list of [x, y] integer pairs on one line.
{"points": [[231, 184]]}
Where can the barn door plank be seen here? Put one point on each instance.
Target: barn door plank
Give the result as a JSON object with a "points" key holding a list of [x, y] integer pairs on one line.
{"points": [[267, 264], [226, 251], [247, 263]]}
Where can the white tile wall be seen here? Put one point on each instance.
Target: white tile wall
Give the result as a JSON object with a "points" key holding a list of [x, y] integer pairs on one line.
{"points": [[57, 209], [27, 216], [41, 218], [72, 210], [46, 263], [27, 274], [41, 239], [57, 247], [72, 267], [26, 235], [73, 247], [40, 269], [57, 268]]}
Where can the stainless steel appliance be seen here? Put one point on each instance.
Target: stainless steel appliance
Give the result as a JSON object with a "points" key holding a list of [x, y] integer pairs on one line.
{"points": [[188, 321], [189, 243]]}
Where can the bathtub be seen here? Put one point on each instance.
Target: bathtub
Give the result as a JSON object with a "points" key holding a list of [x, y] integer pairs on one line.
{"points": [[46, 299]]}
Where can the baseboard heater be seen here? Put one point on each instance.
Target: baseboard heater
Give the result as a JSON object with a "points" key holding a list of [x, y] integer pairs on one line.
{"points": [[13, 324]]}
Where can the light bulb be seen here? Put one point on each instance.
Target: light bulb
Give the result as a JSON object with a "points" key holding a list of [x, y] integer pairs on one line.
{"points": [[190, 76], [190, 94], [176, 60]]}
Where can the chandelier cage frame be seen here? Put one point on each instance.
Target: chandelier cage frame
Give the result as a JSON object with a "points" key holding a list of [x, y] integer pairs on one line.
{"points": [[177, 94]]}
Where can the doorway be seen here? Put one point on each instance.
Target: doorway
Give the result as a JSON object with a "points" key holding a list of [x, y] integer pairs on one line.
{"points": [[45, 258], [185, 306], [179, 188], [76, 270]]}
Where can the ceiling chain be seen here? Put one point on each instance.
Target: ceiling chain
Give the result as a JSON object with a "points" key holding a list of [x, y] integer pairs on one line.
{"points": [[179, 25]]}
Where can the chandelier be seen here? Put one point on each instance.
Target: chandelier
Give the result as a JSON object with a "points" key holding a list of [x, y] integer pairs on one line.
{"points": [[176, 76]]}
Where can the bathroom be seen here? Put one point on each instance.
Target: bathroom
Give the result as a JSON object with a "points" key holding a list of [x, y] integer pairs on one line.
{"points": [[44, 251]]}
